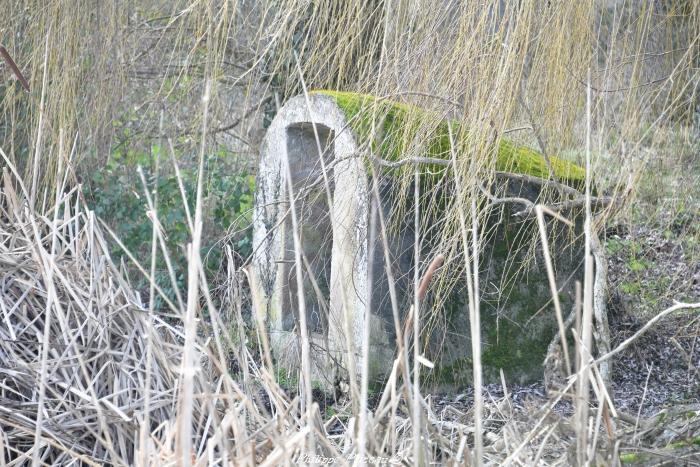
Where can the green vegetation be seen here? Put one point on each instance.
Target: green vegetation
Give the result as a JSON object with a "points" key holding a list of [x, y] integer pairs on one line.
{"points": [[639, 457], [633, 457], [116, 196], [641, 281], [288, 380], [402, 125], [686, 443]]}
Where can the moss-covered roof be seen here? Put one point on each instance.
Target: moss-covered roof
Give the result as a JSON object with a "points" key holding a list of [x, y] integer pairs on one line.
{"points": [[401, 123]]}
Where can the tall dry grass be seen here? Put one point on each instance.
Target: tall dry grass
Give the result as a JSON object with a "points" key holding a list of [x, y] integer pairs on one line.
{"points": [[94, 374]]}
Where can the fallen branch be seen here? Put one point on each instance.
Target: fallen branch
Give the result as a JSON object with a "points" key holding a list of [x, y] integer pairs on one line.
{"points": [[529, 206], [677, 307]]}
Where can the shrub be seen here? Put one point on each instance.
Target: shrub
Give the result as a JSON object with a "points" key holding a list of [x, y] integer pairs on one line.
{"points": [[116, 195]]}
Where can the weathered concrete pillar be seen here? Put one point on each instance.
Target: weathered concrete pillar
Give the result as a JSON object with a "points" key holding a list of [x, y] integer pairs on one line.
{"points": [[322, 140]]}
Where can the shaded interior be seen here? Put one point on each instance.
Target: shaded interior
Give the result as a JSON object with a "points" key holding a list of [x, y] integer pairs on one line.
{"points": [[314, 223]]}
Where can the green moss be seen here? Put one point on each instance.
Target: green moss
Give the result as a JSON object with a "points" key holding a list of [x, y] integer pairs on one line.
{"points": [[662, 417], [515, 335], [631, 288], [523, 357], [636, 457], [686, 443], [516, 327], [638, 265], [632, 457], [402, 124], [505, 346], [457, 373], [494, 358]]}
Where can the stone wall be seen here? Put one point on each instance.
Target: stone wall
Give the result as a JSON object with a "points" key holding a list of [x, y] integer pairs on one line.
{"points": [[516, 314]]}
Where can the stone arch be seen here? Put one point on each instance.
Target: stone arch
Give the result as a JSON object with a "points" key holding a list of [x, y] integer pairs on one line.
{"points": [[334, 240], [326, 129]]}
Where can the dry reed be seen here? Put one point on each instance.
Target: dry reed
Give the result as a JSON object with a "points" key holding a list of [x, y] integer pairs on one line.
{"points": [[92, 373]]}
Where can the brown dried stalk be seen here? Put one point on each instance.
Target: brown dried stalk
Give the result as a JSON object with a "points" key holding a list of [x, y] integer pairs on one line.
{"points": [[15, 69]]}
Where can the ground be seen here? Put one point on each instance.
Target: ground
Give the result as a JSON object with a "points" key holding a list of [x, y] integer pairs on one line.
{"points": [[645, 261]]}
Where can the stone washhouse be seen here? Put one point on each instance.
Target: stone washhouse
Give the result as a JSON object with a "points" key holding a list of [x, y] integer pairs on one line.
{"points": [[328, 131]]}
